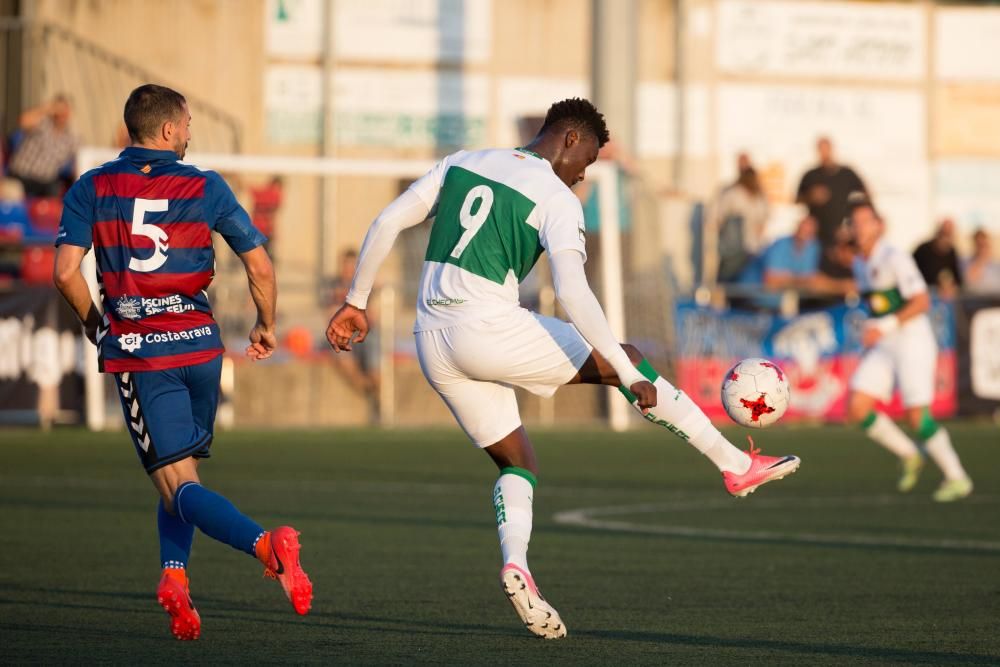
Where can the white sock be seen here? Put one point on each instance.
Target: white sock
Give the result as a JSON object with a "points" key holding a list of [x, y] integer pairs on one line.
{"points": [[512, 497], [939, 448], [885, 432], [677, 413]]}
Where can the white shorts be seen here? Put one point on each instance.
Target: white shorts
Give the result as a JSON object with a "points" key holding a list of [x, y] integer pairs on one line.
{"points": [[474, 367], [907, 358]]}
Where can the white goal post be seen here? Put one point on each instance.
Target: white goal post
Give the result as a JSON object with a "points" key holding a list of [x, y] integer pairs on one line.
{"points": [[601, 173]]}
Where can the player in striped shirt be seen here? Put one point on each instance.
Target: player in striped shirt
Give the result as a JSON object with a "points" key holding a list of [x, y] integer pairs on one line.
{"points": [[149, 219]]}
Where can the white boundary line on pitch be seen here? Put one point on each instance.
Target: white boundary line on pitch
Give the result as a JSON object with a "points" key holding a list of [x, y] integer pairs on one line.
{"points": [[590, 517]]}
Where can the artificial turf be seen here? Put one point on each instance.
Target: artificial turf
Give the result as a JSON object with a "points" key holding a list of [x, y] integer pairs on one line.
{"points": [[635, 542]]}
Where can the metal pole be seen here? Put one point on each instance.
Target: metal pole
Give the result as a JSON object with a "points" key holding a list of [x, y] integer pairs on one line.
{"points": [[613, 78], [613, 66], [327, 188], [612, 275], [387, 365]]}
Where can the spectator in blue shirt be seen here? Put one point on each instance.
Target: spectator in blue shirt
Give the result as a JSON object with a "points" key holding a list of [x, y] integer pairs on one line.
{"points": [[792, 263]]}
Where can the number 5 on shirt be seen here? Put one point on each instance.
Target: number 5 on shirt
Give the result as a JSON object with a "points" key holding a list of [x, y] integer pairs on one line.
{"points": [[150, 231]]}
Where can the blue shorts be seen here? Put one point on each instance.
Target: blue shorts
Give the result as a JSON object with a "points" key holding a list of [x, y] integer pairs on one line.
{"points": [[170, 414]]}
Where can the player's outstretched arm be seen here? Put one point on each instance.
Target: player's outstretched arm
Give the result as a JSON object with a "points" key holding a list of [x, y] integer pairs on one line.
{"points": [[264, 292], [69, 280], [350, 323], [585, 312]]}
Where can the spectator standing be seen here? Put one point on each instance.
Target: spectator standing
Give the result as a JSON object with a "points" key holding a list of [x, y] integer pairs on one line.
{"points": [[824, 189], [738, 218], [938, 261], [267, 200], [48, 144], [981, 272], [362, 370]]}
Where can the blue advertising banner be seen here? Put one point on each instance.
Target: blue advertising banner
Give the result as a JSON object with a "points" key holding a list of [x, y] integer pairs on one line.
{"points": [[818, 351]]}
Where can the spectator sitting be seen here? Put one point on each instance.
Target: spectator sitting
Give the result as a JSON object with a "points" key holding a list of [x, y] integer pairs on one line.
{"points": [[825, 190], [938, 261], [47, 146], [14, 227], [738, 219], [981, 271], [792, 263]]}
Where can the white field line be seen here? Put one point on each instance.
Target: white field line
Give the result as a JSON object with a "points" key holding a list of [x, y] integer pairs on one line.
{"points": [[593, 518]]}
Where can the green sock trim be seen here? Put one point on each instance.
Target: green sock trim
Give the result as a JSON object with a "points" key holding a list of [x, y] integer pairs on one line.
{"points": [[869, 420], [928, 427], [647, 370], [520, 472], [627, 394]]}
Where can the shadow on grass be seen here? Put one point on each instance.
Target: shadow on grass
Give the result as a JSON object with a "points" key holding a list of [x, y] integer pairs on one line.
{"points": [[363, 624], [803, 542], [835, 650]]}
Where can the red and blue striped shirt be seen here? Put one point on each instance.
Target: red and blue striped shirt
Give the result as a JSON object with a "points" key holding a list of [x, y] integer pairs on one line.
{"points": [[150, 220]]}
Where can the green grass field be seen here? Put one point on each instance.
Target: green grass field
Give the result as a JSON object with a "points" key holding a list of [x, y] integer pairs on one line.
{"points": [[635, 542]]}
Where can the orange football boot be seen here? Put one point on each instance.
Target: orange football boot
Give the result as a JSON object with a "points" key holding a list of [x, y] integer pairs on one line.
{"points": [[278, 550], [763, 469], [174, 596]]}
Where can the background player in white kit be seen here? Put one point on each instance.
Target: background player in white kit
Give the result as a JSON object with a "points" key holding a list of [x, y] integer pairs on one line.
{"points": [[495, 212], [900, 350]]}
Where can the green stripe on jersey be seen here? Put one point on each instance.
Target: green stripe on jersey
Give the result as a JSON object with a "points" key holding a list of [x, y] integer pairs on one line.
{"points": [[481, 227], [884, 302]]}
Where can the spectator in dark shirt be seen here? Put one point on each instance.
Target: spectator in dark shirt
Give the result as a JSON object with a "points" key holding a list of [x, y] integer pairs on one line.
{"points": [[47, 146], [824, 189], [938, 261]]}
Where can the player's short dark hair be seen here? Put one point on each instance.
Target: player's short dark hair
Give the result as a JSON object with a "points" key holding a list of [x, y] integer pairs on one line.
{"points": [[150, 106], [578, 114]]}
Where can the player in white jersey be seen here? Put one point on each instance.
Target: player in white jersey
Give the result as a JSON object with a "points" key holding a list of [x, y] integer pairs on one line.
{"points": [[900, 351], [495, 212]]}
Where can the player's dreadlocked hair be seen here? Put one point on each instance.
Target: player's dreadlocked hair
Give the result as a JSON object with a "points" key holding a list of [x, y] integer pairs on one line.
{"points": [[579, 114]]}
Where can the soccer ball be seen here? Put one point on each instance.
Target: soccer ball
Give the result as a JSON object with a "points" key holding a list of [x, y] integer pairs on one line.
{"points": [[755, 393]]}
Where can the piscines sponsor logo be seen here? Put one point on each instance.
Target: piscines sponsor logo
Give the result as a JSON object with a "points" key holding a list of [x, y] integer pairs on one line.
{"points": [[133, 308], [133, 341]]}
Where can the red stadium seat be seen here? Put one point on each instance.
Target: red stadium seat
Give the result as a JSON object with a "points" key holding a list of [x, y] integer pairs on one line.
{"points": [[37, 263], [45, 213]]}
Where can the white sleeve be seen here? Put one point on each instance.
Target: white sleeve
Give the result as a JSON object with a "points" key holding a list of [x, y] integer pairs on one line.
{"points": [[428, 186], [909, 280], [585, 312], [561, 224], [407, 210]]}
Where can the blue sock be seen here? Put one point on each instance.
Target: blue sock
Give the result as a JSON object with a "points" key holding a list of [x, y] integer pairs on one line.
{"points": [[175, 538], [217, 517]]}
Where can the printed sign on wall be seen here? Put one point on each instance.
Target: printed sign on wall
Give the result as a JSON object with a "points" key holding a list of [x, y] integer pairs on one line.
{"points": [[816, 39]]}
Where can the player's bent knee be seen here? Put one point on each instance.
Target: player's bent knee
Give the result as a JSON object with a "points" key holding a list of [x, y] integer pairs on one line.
{"points": [[170, 478], [858, 407]]}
